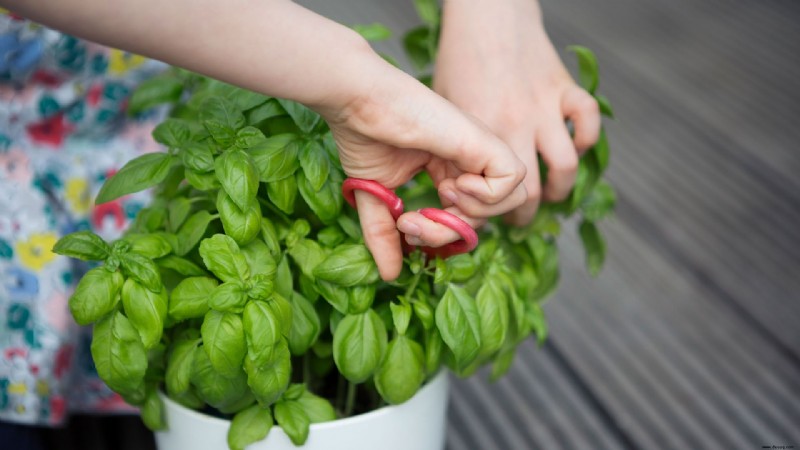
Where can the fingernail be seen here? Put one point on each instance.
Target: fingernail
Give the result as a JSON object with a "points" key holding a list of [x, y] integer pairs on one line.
{"points": [[411, 228], [450, 195]]}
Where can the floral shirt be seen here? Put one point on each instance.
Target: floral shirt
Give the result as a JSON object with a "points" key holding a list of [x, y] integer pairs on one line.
{"points": [[62, 132]]}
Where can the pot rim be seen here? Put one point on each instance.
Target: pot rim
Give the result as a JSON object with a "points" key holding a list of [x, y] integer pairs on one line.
{"points": [[439, 379]]}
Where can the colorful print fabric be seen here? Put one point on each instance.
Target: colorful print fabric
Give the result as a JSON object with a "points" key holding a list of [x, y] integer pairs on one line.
{"points": [[63, 131]]}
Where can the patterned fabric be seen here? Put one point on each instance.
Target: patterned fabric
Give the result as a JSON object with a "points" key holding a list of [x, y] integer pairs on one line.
{"points": [[62, 133]]}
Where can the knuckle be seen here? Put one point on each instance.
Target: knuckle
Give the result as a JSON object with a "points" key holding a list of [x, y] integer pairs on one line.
{"points": [[567, 165], [380, 231]]}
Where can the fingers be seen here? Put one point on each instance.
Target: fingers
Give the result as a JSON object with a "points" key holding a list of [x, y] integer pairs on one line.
{"points": [[584, 112], [380, 235], [420, 230], [558, 152], [523, 145]]}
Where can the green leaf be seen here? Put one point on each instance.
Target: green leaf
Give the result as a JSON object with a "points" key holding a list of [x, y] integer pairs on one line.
{"points": [[587, 67], [202, 181], [271, 108], [269, 381], [359, 344], [317, 408], [595, 247], [137, 175], [461, 267], [223, 258], [459, 324], [416, 46], [96, 295], [228, 297], [600, 151], [326, 203], [118, 354], [335, 295], [349, 226], [197, 156], [502, 363], [148, 245], [213, 387], [142, 269], [224, 342], [249, 426], [360, 298], [259, 258], [424, 313], [307, 254], [402, 371], [270, 236], [315, 163], [153, 92], [192, 231], [305, 326], [599, 203], [401, 316], [152, 412], [293, 420], [428, 11], [283, 194], [283, 278], [373, 32], [348, 265], [262, 329], [243, 225], [493, 312], [236, 172], [179, 208], [172, 132], [605, 105], [304, 118], [277, 157], [331, 236], [179, 366], [222, 119], [434, 346], [180, 265], [248, 137], [146, 311], [83, 245]]}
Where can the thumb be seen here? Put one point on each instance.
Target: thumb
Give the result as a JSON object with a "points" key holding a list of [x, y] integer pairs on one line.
{"points": [[380, 235]]}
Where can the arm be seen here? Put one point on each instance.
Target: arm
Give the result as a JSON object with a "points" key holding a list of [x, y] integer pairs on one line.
{"points": [[387, 125]]}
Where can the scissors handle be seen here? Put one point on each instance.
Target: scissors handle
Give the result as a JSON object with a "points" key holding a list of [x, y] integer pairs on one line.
{"points": [[469, 238]]}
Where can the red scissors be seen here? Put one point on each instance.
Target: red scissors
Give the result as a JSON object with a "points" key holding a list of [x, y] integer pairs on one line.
{"points": [[469, 238]]}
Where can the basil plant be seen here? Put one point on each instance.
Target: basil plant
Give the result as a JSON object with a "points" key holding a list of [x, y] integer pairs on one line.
{"points": [[245, 289]]}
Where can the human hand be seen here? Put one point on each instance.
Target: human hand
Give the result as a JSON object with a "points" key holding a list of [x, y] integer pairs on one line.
{"points": [[396, 127], [496, 62]]}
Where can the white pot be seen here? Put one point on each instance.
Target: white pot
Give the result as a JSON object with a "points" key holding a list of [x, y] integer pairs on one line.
{"points": [[417, 424]]}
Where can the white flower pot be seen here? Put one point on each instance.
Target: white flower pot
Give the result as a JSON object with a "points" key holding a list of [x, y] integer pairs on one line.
{"points": [[417, 424]]}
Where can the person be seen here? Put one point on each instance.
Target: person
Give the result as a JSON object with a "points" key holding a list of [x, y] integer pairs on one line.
{"points": [[501, 97]]}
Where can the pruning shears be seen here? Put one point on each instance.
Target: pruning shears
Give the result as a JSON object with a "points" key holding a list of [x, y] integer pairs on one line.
{"points": [[469, 238]]}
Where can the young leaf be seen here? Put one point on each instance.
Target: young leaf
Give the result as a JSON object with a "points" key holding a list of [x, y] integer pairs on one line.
{"points": [[402, 371], [424, 313], [146, 311], [373, 32], [492, 306], [249, 426], [83, 245], [587, 67], [283, 194], [153, 92], [201, 181], [179, 366], [228, 297], [270, 108], [152, 411], [223, 342], [348, 265], [269, 381], [148, 245], [118, 354], [222, 119], [270, 236], [605, 106], [326, 203], [192, 231], [172, 133], [249, 137], [401, 316], [142, 269], [236, 172], [305, 327], [276, 158], [180, 265], [259, 258], [223, 258], [502, 362], [416, 46], [599, 203], [304, 118], [96, 295], [595, 247], [317, 408], [213, 387], [360, 298], [243, 225], [434, 347], [293, 420], [359, 344], [283, 278], [197, 156], [459, 324], [262, 330], [307, 254], [315, 163], [428, 11], [137, 175], [335, 295]]}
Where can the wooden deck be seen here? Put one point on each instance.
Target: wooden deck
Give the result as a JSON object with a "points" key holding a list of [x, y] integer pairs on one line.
{"points": [[690, 338]]}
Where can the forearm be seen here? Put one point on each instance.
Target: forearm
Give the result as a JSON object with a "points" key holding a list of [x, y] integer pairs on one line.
{"points": [[270, 46]]}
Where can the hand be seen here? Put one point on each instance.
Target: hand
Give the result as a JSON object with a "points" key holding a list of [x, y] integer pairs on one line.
{"points": [[398, 127], [496, 62]]}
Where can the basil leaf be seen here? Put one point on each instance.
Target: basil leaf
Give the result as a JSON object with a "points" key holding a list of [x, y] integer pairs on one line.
{"points": [[599, 203], [415, 44], [307, 254], [308, 288], [271, 108], [269, 381], [179, 366], [502, 362], [304, 118], [433, 351], [535, 317], [83, 245], [118, 354], [315, 163], [587, 67], [213, 387], [148, 245], [228, 297], [276, 158], [283, 311], [595, 247], [335, 295], [428, 11], [222, 119], [152, 411], [270, 236], [605, 106], [331, 236], [492, 306], [259, 258], [153, 92], [249, 426], [146, 311], [293, 421], [172, 132], [223, 258], [305, 325], [180, 265], [262, 330], [248, 137], [459, 324], [373, 32], [192, 231], [402, 371], [359, 344], [202, 181], [95, 296], [401, 316], [283, 278], [236, 172], [600, 152], [137, 175], [242, 225], [317, 408], [142, 269], [197, 156], [223, 341], [424, 313], [348, 265], [283, 193], [326, 202], [461, 267], [360, 298]]}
